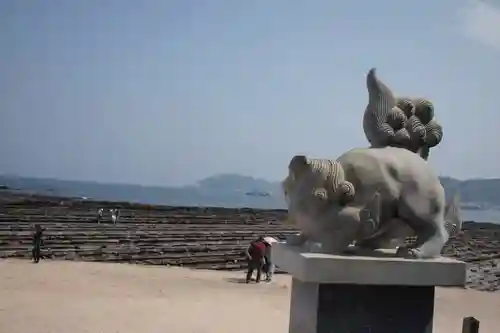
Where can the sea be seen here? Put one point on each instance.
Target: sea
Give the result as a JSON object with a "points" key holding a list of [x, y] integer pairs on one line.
{"points": [[179, 196]]}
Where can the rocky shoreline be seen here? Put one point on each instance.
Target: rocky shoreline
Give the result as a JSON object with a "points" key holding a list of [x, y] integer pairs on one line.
{"points": [[197, 237], [478, 244]]}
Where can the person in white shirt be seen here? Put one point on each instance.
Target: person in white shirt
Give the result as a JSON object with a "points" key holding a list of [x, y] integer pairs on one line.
{"points": [[100, 211], [113, 215]]}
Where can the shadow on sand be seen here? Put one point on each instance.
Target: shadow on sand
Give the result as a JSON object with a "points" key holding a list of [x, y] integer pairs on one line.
{"points": [[236, 280]]}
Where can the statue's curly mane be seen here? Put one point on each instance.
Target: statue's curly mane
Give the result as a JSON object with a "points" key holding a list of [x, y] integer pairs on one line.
{"points": [[332, 185]]}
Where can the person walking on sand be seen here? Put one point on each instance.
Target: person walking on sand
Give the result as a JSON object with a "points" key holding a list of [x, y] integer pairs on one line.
{"points": [[37, 243], [255, 257]]}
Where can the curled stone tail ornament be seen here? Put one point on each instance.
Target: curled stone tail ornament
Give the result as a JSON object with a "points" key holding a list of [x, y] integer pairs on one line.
{"points": [[399, 122]]}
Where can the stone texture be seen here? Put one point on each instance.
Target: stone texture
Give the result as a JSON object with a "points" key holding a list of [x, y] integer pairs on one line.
{"points": [[383, 270]]}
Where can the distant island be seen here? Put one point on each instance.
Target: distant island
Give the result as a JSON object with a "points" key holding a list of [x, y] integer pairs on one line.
{"points": [[258, 194], [227, 190]]}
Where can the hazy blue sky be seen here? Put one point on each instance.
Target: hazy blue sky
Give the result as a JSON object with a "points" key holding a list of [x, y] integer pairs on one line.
{"points": [[167, 92]]}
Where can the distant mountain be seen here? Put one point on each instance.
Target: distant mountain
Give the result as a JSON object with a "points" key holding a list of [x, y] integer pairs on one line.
{"points": [[235, 182], [480, 191], [226, 190]]}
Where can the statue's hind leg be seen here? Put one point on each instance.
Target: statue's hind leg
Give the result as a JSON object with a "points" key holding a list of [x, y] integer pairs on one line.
{"points": [[430, 240], [431, 235], [433, 243]]}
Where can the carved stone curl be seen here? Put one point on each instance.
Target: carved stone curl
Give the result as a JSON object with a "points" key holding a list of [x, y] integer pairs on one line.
{"points": [[399, 122]]}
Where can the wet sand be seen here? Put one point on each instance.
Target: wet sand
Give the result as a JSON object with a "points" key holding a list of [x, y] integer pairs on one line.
{"points": [[79, 297]]}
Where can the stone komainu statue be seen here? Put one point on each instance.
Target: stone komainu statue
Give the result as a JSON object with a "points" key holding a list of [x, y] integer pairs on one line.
{"points": [[399, 122], [381, 196]]}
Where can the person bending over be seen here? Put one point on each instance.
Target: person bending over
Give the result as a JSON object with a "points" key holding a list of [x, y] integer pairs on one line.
{"points": [[255, 257]]}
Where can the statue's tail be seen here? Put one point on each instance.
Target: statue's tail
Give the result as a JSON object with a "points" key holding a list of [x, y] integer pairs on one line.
{"points": [[380, 103], [399, 122], [452, 216]]}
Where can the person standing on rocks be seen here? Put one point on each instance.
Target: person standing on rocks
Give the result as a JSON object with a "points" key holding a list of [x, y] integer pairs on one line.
{"points": [[255, 257], [117, 213], [100, 212], [113, 215], [37, 243]]}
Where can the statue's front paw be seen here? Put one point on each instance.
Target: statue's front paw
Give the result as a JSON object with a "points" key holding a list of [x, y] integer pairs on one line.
{"points": [[404, 252], [407, 252], [414, 253]]}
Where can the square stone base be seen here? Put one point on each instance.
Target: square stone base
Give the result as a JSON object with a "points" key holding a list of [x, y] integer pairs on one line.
{"points": [[382, 268], [349, 308], [364, 294]]}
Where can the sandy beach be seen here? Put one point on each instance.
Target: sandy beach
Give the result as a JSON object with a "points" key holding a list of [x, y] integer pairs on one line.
{"points": [[82, 297]]}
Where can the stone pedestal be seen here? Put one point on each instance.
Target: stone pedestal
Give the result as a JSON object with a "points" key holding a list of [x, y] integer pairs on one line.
{"points": [[357, 294]]}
